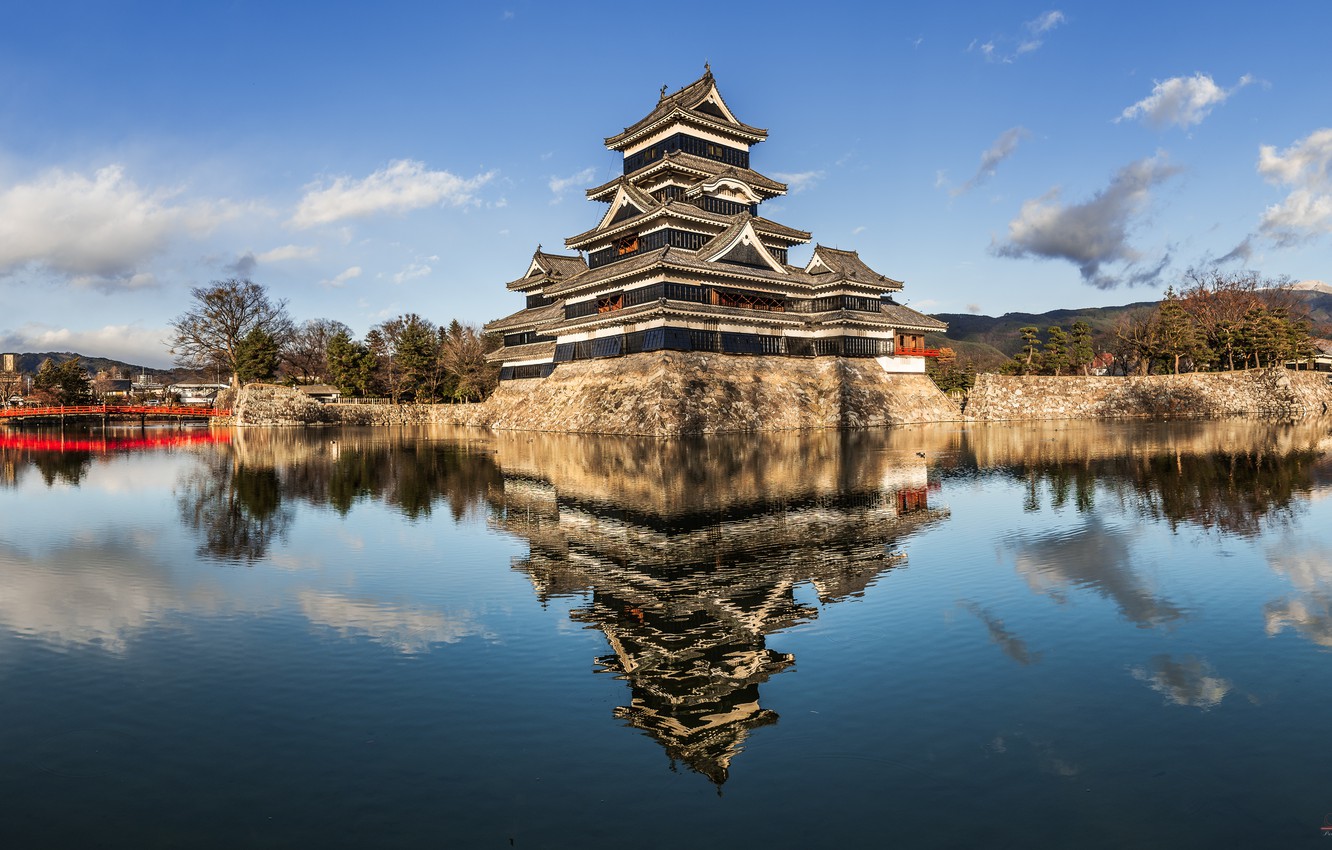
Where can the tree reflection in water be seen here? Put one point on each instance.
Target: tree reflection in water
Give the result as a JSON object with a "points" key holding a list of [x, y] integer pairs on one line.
{"points": [[1230, 477], [240, 499], [237, 510]]}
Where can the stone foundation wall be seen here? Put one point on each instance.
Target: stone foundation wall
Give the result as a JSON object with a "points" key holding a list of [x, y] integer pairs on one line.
{"points": [[670, 393], [1265, 392]]}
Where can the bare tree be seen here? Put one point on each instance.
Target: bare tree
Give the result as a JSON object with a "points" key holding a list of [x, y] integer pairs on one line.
{"points": [[306, 353], [224, 313], [463, 354]]}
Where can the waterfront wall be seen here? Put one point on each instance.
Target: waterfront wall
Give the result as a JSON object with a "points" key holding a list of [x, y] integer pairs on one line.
{"points": [[662, 394], [1258, 392]]}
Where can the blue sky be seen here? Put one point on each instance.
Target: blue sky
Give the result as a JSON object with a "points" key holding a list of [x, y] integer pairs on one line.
{"points": [[364, 161]]}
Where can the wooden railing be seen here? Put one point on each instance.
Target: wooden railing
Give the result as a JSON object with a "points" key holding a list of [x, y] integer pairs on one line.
{"points": [[917, 352]]}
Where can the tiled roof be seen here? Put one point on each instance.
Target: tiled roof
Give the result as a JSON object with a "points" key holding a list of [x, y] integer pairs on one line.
{"points": [[681, 161], [561, 264], [847, 264], [528, 318], [559, 267], [906, 317], [767, 227], [531, 351], [687, 99]]}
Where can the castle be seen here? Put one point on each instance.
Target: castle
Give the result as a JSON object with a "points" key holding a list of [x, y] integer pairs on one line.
{"points": [[682, 263]]}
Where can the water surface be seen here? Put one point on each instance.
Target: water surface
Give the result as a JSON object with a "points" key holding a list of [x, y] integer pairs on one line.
{"points": [[1038, 635]]}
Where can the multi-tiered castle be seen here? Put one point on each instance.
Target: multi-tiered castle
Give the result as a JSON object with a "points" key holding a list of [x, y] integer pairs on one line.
{"points": [[682, 260]]}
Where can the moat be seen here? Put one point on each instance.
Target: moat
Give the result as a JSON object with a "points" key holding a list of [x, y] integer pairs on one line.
{"points": [[1044, 634]]}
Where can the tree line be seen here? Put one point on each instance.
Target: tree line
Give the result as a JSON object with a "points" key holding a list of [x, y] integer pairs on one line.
{"points": [[1216, 321], [235, 327]]}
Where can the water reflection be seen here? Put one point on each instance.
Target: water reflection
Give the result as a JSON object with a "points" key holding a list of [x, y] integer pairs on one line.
{"points": [[239, 499], [1093, 556], [1232, 477], [99, 590], [688, 556], [1309, 613], [1188, 681], [687, 579]]}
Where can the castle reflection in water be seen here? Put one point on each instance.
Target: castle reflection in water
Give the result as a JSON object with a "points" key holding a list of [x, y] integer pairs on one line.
{"points": [[687, 578], [688, 555]]}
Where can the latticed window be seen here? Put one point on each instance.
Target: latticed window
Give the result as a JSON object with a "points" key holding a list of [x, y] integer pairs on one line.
{"points": [[611, 302], [626, 244], [750, 300]]}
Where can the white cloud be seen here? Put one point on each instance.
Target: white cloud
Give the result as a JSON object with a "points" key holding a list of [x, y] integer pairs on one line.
{"points": [[1094, 233], [415, 270], [1046, 21], [1182, 101], [342, 277], [1015, 46], [1306, 167], [1002, 148], [287, 252], [402, 186], [560, 185], [800, 181], [131, 343], [96, 231]]}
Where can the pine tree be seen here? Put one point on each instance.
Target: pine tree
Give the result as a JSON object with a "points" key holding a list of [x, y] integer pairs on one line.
{"points": [[350, 365], [1081, 350], [1056, 350], [257, 356]]}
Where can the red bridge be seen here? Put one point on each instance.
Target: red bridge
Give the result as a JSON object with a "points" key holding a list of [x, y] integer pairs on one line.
{"points": [[110, 411]]}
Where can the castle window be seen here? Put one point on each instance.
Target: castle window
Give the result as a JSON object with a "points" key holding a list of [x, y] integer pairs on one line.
{"points": [[611, 302], [626, 244]]}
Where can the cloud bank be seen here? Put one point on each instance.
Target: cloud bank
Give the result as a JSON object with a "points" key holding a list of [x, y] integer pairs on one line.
{"points": [[96, 231], [1095, 233]]}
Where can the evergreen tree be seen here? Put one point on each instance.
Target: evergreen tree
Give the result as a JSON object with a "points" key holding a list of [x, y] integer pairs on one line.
{"points": [[257, 356], [1179, 338], [1029, 358], [351, 366], [1081, 349], [66, 384], [1056, 350]]}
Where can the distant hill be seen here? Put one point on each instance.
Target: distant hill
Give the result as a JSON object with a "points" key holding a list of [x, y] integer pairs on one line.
{"points": [[989, 340], [992, 339], [31, 362]]}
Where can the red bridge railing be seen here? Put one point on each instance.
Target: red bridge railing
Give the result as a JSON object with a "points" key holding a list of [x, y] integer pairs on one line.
{"points": [[112, 410]]}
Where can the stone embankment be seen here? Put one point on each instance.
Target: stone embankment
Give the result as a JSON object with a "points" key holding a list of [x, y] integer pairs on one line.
{"points": [[675, 393], [1259, 392], [669, 393], [268, 405]]}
